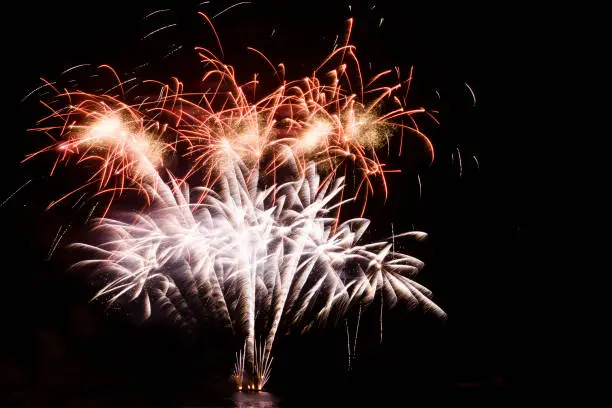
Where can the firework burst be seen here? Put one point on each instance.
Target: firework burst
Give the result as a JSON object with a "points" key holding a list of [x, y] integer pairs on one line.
{"points": [[260, 243], [123, 149], [322, 118], [242, 255]]}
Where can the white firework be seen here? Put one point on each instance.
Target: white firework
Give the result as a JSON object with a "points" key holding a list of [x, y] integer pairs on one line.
{"points": [[240, 253]]}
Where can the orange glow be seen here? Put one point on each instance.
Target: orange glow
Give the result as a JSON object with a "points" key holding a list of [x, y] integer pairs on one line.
{"points": [[331, 117]]}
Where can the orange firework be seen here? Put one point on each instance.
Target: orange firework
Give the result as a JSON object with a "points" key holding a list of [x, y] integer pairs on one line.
{"points": [[323, 118], [332, 118], [122, 146]]}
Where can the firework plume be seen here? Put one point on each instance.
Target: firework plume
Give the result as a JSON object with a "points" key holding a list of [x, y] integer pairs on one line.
{"points": [[243, 253], [259, 243]]}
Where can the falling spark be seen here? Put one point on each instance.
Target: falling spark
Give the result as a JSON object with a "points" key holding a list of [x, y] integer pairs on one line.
{"points": [[382, 19], [55, 238], [173, 51], [75, 67], [80, 198], [357, 331], [120, 85], [131, 89], [460, 162], [50, 84], [477, 164], [438, 93], [420, 187], [471, 92], [348, 344], [91, 212], [15, 192], [229, 8], [156, 12], [54, 247], [382, 302], [135, 69], [158, 30]]}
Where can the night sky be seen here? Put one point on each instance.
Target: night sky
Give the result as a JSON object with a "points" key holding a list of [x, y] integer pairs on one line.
{"points": [[57, 349]]}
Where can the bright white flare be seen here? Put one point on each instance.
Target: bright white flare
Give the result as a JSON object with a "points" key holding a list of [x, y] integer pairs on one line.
{"points": [[243, 254]]}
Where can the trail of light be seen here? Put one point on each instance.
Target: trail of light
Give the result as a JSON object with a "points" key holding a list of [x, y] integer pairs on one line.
{"points": [[460, 162], [471, 92], [50, 84], [348, 344], [155, 12], [56, 243], [15, 192], [357, 330], [229, 8], [158, 30], [91, 212], [382, 302], [77, 201], [74, 67]]}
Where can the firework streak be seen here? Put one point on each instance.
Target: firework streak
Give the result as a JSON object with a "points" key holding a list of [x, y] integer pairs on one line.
{"points": [[259, 244]]}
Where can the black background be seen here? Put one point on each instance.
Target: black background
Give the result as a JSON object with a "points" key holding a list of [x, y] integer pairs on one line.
{"points": [[58, 349]]}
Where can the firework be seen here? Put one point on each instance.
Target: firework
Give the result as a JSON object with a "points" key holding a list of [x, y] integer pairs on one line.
{"points": [[323, 118], [259, 244], [238, 374], [241, 255], [332, 118], [123, 148]]}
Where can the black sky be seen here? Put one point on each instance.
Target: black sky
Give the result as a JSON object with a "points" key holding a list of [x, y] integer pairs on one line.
{"points": [[58, 349]]}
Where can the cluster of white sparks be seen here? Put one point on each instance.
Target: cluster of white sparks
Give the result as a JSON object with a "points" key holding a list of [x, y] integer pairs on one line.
{"points": [[246, 254]]}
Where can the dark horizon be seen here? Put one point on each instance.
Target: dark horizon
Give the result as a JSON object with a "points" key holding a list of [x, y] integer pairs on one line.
{"points": [[59, 349]]}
